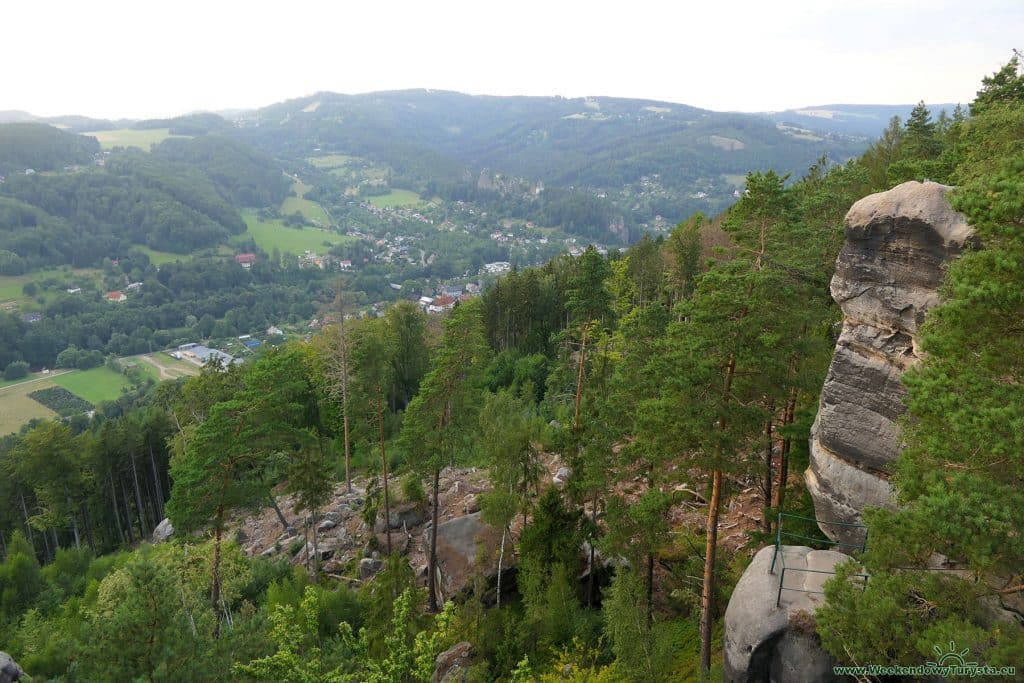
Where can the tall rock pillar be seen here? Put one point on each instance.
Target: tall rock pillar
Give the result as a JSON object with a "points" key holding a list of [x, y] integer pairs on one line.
{"points": [[887, 277]]}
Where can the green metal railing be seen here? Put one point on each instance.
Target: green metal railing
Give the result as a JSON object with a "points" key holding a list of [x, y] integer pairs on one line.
{"points": [[779, 533]]}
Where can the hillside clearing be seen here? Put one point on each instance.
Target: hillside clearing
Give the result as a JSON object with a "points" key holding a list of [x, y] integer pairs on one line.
{"points": [[270, 235], [130, 137], [395, 198]]}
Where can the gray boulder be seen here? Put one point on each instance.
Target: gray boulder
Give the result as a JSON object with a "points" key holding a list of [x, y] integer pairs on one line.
{"points": [[163, 531], [9, 669], [453, 664], [368, 567], [778, 643], [887, 278]]}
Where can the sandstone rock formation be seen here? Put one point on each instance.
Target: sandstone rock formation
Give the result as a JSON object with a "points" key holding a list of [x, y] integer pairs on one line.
{"points": [[778, 643], [452, 664], [9, 669], [163, 531], [886, 279]]}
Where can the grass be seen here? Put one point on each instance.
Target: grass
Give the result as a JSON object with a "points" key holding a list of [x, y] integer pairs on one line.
{"points": [[130, 137], [331, 160], [158, 258], [395, 198], [95, 386], [308, 208], [172, 367], [16, 408], [10, 285], [270, 235]]}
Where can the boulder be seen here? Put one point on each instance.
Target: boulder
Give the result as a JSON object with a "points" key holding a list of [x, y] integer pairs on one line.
{"points": [[458, 543], [368, 567], [9, 669], [765, 641], [452, 664], [887, 278], [408, 515], [163, 531], [561, 476], [326, 525]]}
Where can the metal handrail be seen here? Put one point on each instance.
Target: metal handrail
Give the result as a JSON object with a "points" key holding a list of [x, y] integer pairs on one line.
{"points": [[779, 533]]}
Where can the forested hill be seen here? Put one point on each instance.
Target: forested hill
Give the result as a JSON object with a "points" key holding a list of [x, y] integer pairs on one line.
{"points": [[183, 196], [41, 147], [602, 142]]}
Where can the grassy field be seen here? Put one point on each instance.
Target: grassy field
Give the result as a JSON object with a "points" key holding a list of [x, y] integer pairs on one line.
{"points": [[16, 408], [95, 386], [310, 209], [270, 235], [396, 198], [162, 366], [10, 285], [331, 160], [130, 137], [158, 258]]}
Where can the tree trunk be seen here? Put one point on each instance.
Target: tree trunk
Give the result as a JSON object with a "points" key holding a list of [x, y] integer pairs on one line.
{"points": [[343, 344], [74, 523], [88, 527], [590, 566], [501, 561], [127, 514], [707, 594], [384, 465], [277, 511], [46, 546], [316, 550], [579, 378], [787, 419], [28, 527], [650, 590], [215, 590], [138, 499], [767, 488], [432, 564], [156, 486]]}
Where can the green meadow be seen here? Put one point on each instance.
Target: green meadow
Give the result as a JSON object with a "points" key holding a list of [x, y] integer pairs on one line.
{"points": [[270, 235], [395, 198], [95, 386], [130, 137]]}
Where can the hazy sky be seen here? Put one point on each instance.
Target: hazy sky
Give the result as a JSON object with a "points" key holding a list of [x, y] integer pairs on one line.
{"points": [[113, 58]]}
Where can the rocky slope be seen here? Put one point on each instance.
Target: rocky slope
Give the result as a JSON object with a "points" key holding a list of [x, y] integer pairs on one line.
{"points": [[887, 277]]}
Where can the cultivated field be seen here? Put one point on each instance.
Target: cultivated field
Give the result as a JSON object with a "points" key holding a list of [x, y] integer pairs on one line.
{"points": [[270, 235], [16, 408], [396, 198], [130, 137]]}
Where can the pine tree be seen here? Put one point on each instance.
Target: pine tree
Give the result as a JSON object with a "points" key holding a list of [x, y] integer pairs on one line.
{"points": [[439, 419]]}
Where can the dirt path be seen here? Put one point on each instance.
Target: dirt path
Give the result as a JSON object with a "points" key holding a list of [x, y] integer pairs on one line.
{"points": [[165, 371], [44, 378]]}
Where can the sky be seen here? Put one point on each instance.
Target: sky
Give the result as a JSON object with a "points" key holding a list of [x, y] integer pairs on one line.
{"points": [[137, 59]]}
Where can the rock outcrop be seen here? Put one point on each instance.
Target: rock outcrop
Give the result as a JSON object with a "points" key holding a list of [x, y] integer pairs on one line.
{"points": [[9, 669], [453, 664], [765, 641], [887, 277], [163, 531]]}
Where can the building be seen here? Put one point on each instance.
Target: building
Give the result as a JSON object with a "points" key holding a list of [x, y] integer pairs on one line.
{"points": [[245, 260], [201, 355], [116, 296]]}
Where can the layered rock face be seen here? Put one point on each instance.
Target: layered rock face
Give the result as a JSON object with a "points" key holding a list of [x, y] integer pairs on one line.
{"points": [[887, 277]]}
